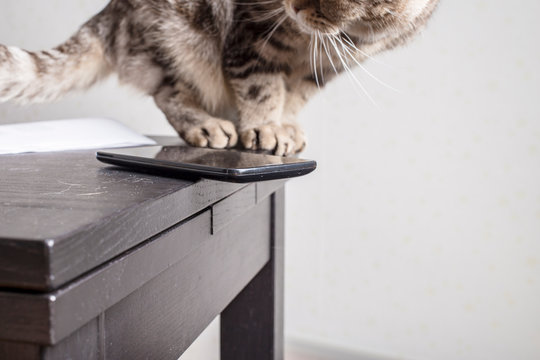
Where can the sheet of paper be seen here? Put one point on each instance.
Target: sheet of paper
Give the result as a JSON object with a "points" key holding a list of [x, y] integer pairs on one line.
{"points": [[72, 134]]}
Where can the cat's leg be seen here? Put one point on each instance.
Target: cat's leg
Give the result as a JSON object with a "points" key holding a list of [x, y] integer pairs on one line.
{"points": [[296, 98], [260, 99], [191, 121]]}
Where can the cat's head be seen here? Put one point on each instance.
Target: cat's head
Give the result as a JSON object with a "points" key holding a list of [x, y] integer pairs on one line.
{"points": [[363, 18]]}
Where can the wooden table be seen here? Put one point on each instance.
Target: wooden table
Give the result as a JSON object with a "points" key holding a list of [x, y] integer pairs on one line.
{"points": [[97, 262]]}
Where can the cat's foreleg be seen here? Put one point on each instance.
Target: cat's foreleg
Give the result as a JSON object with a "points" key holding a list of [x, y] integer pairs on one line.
{"points": [[296, 98], [260, 99], [191, 121]]}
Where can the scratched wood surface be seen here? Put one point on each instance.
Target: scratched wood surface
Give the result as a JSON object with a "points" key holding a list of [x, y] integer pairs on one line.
{"points": [[63, 214]]}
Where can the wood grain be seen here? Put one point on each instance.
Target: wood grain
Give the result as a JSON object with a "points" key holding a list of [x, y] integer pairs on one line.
{"points": [[63, 214]]}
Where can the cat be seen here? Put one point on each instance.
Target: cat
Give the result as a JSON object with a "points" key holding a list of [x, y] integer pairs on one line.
{"points": [[224, 72]]}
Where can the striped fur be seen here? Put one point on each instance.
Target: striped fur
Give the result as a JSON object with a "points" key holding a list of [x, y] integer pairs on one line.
{"points": [[222, 71], [48, 75]]}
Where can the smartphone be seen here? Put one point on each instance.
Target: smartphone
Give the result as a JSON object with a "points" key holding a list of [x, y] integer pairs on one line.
{"points": [[192, 163]]}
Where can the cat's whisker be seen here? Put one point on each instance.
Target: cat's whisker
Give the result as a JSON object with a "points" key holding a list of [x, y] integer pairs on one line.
{"points": [[310, 51], [267, 15], [319, 50], [350, 73], [349, 41], [277, 24], [315, 62], [328, 55], [351, 55], [262, 14]]}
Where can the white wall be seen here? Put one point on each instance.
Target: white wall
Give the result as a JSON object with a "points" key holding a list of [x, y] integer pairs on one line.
{"points": [[418, 236]]}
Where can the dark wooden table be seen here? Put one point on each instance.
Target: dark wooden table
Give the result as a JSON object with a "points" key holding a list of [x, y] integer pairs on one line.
{"points": [[102, 263]]}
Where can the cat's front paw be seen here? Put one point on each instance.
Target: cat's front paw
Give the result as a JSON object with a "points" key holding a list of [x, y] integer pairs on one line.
{"points": [[213, 133], [281, 139]]}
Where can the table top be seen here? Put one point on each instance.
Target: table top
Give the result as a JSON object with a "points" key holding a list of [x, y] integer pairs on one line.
{"points": [[63, 214]]}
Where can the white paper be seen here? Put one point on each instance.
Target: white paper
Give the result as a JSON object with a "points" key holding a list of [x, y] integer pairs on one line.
{"points": [[71, 134]]}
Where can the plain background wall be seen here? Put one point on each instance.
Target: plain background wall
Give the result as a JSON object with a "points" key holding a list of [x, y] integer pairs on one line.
{"points": [[419, 235]]}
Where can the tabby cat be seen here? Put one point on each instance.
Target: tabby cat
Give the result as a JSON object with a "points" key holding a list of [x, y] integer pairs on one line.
{"points": [[223, 71]]}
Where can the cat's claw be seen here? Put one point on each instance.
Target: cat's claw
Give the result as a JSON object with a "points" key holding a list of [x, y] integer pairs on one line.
{"points": [[213, 133], [281, 139]]}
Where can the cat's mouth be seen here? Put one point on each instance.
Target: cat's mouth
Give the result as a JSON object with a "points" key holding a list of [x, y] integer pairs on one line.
{"points": [[311, 21]]}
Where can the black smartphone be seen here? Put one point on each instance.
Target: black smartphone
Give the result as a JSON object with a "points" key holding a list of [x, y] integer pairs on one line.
{"points": [[191, 162]]}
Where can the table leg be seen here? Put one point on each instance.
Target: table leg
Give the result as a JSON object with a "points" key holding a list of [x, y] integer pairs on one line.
{"points": [[252, 325]]}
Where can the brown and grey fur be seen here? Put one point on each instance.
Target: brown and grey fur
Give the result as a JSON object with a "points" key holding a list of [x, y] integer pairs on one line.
{"points": [[222, 71]]}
